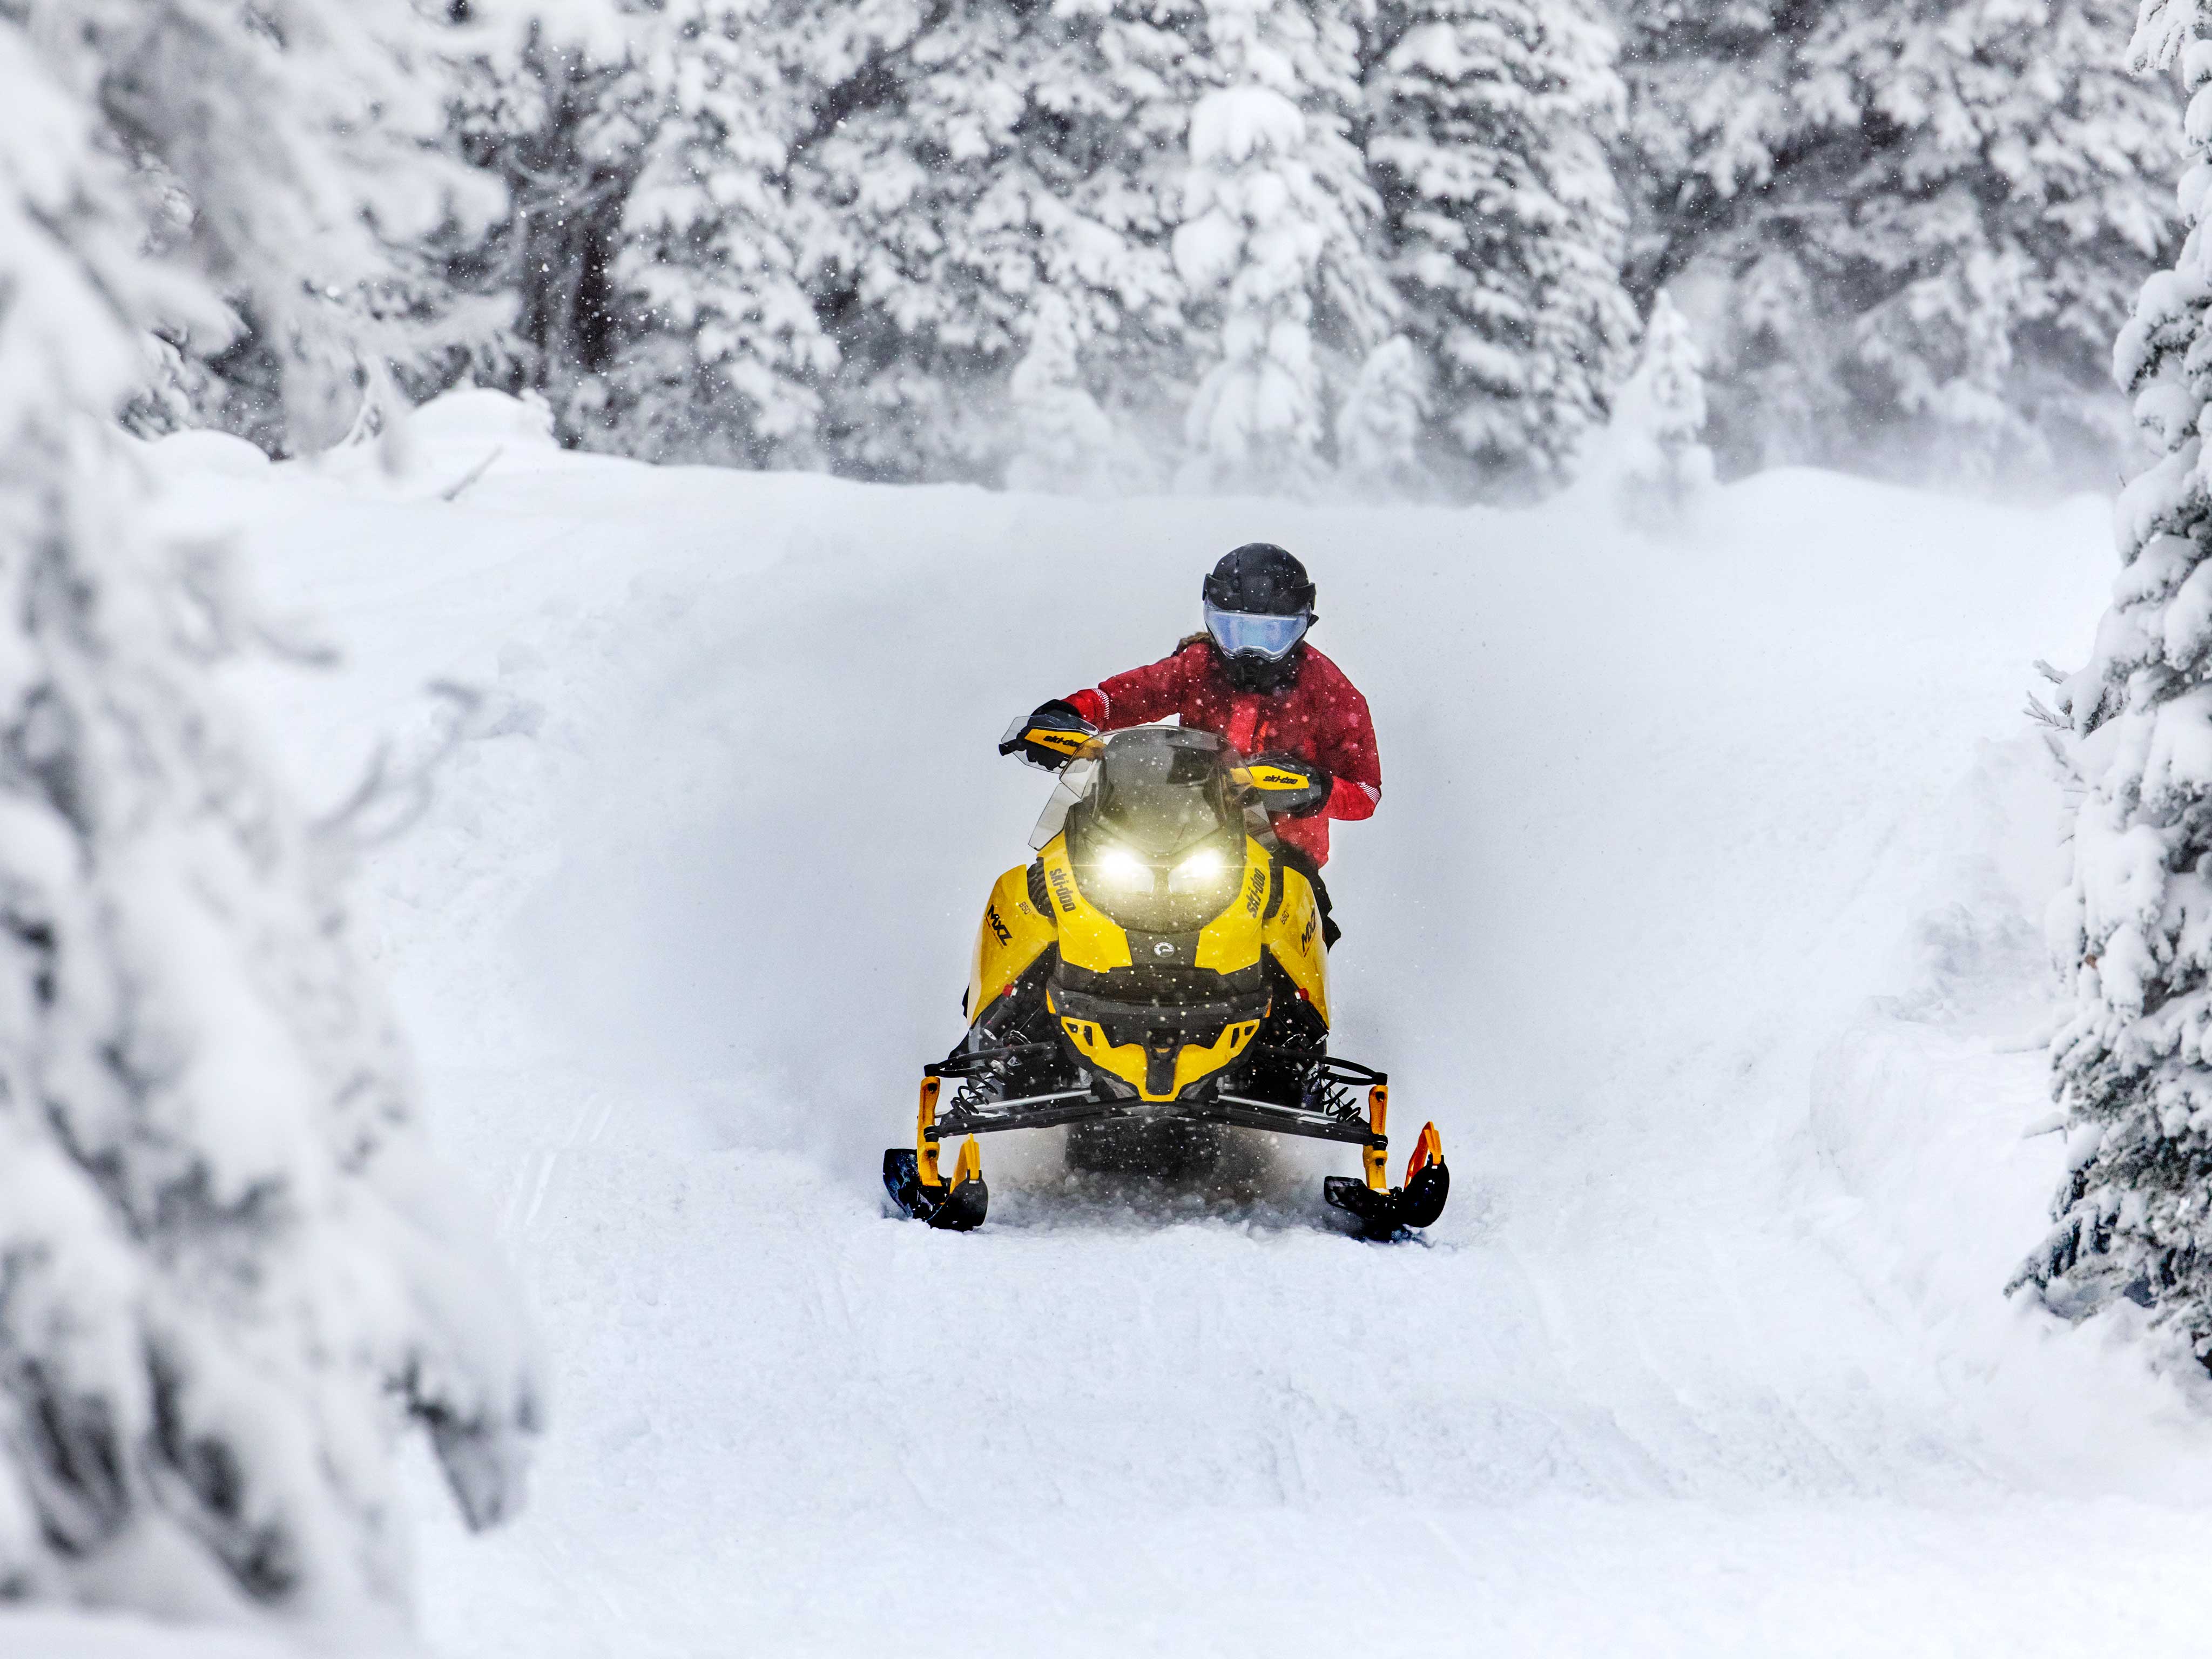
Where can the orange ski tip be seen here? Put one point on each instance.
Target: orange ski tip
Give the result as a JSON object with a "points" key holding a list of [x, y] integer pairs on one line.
{"points": [[1429, 1149]]}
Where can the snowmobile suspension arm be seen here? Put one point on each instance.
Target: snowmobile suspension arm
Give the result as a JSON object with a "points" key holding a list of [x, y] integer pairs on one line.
{"points": [[1285, 1120], [1042, 1112], [1065, 1106], [1018, 1114], [969, 1062]]}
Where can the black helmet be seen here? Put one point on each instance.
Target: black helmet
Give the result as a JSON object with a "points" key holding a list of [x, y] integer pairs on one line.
{"points": [[1259, 603], [1259, 579]]}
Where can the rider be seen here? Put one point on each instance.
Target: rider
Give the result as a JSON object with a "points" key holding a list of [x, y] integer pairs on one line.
{"points": [[1252, 677]]}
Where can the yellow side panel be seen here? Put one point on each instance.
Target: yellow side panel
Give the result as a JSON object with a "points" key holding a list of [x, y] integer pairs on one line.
{"points": [[1231, 940], [1128, 1060], [1011, 936], [1294, 937], [1088, 937]]}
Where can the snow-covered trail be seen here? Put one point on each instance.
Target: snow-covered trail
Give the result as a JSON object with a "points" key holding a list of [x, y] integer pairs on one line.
{"points": [[1707, 1356]]}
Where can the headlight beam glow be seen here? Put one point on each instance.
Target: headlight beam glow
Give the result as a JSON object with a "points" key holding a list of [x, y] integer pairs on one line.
{"points": [[1204, 864], [1120, 867]]}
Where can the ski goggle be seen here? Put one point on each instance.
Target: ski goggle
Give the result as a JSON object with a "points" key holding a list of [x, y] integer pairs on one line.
{"points": [[1239, 634]]}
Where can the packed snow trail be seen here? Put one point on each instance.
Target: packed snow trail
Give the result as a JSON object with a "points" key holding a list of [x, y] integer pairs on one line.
{"points": [[1708, 1354]]}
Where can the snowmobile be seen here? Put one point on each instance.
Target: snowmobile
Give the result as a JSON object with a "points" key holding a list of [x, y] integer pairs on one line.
{"points": [[1160, 963]]}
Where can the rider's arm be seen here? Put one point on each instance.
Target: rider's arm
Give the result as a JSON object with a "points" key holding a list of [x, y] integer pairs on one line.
{"points": [[1347, 749], [1139, 696], [1351, 801]]}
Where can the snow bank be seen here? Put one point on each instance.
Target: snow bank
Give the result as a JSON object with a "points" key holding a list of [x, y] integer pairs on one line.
{"points": [[1925, 1110], [1699, 913], [111, 1636]]}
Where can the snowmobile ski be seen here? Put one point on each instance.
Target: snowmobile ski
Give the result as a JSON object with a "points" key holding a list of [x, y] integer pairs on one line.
{"points": [[913, 1180], [1384, 1212]]}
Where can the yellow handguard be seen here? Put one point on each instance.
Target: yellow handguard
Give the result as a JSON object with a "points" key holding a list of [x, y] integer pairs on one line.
{"points": [[1270, 778]]}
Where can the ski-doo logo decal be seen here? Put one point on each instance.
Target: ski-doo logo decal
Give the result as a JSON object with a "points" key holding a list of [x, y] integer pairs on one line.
{"points": [[1163, 948], [998, 926], [1274, 777], [1255, 891], [1063, 890], [1066, 742]]}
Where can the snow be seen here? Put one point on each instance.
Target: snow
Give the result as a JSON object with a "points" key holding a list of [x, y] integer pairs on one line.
{"points": [[49, 1635], [1703, 913]]}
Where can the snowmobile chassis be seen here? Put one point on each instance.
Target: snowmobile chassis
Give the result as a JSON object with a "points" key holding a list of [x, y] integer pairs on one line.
{"points": [[1162, 960], [1332, 1118], [1326, 1110]]}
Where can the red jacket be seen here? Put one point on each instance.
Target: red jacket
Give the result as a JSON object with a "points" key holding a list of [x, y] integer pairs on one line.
{"points": [[1322, 718]]}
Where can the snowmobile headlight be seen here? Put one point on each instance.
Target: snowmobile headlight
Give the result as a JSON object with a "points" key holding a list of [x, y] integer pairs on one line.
{"points": [[1200, 873], [1119, 867]]}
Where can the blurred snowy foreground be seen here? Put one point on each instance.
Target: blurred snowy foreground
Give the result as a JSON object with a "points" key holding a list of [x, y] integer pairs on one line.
{"points": [[1702, 913]]}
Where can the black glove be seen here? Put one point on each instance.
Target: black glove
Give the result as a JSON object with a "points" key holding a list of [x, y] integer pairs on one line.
{"points": [[1289, 786], [1051, 737]]}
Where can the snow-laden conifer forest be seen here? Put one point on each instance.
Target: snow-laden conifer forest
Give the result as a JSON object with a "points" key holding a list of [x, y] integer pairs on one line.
{"points": [[523, 521], [775, 233]]}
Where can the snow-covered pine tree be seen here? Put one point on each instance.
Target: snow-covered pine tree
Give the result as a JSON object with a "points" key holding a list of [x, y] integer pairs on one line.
{"points": [[2133, 1066], [317, 135], [227, 1272], [988, 156], [913, 192], [1658, 458], [1907, 232], [1067, 442], [1379, 431], [540, 107], [1110, 103], [724, 351], [1505, 227], [1276, 241], [920, 175]]}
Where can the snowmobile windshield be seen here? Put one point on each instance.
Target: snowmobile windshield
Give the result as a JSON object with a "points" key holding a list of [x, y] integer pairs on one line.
{"points": [[1156, 835], [1075, 780], [1240, 634]]}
